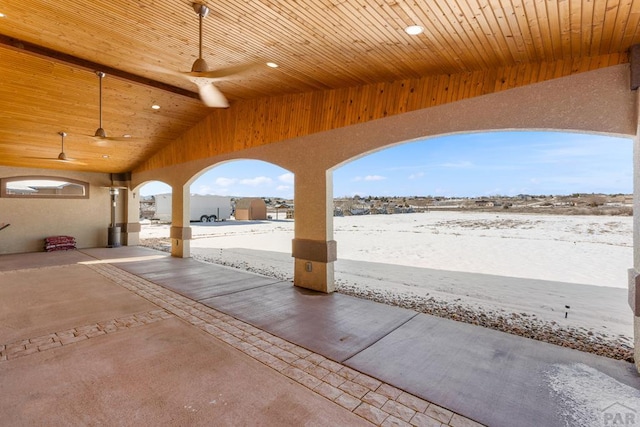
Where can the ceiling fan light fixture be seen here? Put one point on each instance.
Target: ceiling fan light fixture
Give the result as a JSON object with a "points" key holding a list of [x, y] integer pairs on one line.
{"points": [[414, 30], [62, 155], [201, 9], [100, 133], [199, 66]]}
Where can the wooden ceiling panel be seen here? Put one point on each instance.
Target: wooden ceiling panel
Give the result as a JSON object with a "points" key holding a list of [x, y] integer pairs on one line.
{"points": [[41, 98], [319, 45]]}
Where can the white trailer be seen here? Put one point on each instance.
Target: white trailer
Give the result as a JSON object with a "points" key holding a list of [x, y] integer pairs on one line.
{"points": [[204, 207]]}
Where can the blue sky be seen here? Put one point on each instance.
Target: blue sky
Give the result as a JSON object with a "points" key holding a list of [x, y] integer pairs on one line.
{"points": [[484, 164]]}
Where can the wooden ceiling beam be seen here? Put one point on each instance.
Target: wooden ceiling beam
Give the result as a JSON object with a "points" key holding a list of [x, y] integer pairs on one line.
{"points": [[60, 57]]}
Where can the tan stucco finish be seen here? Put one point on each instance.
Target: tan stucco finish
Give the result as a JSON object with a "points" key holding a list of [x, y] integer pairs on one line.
{"points": [[34, 219]]}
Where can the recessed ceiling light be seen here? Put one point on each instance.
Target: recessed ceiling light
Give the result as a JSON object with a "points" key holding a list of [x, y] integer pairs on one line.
{"points": [[155, 106], [272, 65], [414, 30], [105, 156], [2, 15], [126, 135]]}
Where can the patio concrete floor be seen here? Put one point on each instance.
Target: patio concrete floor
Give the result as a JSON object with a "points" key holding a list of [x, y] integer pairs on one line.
{"points": [[131, 335], [83, 342]]}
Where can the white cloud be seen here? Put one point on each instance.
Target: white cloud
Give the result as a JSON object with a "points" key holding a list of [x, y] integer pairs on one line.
{"points": [[225, 182], [416, 175], [283, 188], [203, 189], [286, 178], [257, 181]]}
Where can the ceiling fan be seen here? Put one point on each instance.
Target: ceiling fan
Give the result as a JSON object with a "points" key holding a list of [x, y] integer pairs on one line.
{"points": [[101, 135], [200, 74], [62, 157]]}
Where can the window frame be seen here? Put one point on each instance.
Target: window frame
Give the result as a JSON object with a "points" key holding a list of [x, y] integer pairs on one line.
{"points": [[6, 193]]}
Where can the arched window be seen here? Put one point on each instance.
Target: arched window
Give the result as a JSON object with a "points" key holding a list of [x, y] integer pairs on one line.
{"points": [[43, 187]]}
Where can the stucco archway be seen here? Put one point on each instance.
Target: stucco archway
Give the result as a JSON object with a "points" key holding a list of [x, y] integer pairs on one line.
{"points": [[599, 101], [594, 102]]}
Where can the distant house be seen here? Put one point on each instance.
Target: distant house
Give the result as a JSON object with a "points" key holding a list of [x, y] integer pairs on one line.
{"points": [[287, 209], [251, 209]]}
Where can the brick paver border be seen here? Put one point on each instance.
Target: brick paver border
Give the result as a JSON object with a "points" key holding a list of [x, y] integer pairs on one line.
{"points": [[58, 339]]}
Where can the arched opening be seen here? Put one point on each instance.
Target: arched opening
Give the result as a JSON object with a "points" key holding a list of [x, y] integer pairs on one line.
{"points": [[258, 232], [505, 172], [528, 231], [155, 214]]}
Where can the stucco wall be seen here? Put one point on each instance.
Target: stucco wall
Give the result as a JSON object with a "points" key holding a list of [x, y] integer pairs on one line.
{"points": [[34, 219]]}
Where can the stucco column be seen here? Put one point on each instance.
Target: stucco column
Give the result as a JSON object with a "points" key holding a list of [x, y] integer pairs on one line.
{"points": [[634, 273], [180, 231], [131, 223], [313, 246]]}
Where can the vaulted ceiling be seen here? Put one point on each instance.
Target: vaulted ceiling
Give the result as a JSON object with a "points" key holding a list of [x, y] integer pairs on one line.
{"points": [[50, 52]]}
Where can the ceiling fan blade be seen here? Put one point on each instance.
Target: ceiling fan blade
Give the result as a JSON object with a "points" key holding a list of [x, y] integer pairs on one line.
{"points": [[223, 73], [56, 159], [41, 158], [162, 70], [99, 140], [73, 161], [200, 74], [211, 96], [62, 157]]}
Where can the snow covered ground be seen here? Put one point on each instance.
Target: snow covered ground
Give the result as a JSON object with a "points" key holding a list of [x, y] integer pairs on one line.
{"points": [[534, 265]]}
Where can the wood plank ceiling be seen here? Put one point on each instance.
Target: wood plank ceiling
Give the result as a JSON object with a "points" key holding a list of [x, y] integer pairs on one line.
{"points": [[318, 45]]}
